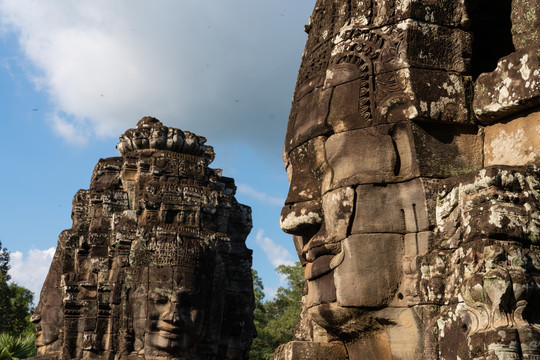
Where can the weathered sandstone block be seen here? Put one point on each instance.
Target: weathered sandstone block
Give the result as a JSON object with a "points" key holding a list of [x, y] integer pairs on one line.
{"points": [[406, 203], [513, 87], [525, 24], [514, 142], [363, 278], [423, 95], [306, 180], [303, 350], [309, 119]]}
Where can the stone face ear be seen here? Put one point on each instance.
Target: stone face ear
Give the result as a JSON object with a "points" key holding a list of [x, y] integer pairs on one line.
{"points": [[404, 203]]}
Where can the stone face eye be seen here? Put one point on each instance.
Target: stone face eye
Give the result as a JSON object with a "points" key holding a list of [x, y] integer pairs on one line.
{"points": [[159, 299]]}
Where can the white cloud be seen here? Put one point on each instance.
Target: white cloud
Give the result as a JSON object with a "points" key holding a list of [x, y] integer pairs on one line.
{"points": [[220, 68], [277, 254], [270, 292], [30, 270], [247, 190], [68, 130]]}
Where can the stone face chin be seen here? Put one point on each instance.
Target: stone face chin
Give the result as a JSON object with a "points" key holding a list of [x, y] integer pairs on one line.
{"points": [[155, 265], [414, 201]]}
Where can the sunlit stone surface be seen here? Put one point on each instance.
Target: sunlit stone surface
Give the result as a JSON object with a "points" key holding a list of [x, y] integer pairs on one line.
{"points": [[414, 203]]}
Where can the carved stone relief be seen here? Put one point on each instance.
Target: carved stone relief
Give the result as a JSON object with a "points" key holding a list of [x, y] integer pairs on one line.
{"points": [[416, 223], [155, 265]]}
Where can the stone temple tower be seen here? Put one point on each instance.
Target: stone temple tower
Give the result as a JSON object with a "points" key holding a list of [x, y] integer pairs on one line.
{"points": [[155, 265]]}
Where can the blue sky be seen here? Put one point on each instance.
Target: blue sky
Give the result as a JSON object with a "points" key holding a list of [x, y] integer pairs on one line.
{"points": [[76, 75]]}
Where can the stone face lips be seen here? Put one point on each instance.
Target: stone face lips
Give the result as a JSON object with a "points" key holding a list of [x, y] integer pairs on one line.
{"points": [[414, 185], [155, 265]]}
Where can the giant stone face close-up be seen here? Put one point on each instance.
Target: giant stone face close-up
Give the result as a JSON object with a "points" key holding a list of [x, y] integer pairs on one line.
{"points": [[412, 160]]}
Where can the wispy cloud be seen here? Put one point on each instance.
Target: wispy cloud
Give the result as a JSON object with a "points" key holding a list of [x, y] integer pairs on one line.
{"points": [[276, 254], [247, 190], [68, 130], [31, 269], [205, 66], [270, 292]]}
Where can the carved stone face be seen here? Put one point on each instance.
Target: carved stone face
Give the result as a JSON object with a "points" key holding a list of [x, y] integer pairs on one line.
{"points": [[169, 310], [374, 160], [175, 315], [357, 202], [48, 319], [348, 230], [353, 255]]}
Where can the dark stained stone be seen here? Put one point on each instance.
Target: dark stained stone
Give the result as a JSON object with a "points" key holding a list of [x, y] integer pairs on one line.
{"points": [[514, 86]]}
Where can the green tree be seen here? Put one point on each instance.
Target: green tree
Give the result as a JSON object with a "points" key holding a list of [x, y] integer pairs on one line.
{"points": [[21, 308], [276, 319], [259, 315], [15, 302], [4, 262], [5, 303]]}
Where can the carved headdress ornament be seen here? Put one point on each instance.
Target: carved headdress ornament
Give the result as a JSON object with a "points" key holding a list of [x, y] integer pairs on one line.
{"points": [[151, 134]]}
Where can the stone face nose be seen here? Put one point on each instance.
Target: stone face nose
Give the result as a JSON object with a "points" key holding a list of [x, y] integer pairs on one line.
{"points": [[301, 218], [177, 319], [171, 313]]}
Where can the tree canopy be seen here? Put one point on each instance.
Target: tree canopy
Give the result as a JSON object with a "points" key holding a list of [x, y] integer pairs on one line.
{"points": [[4, 263], [16, 302], [276, 319]]}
